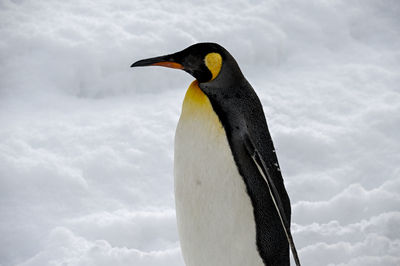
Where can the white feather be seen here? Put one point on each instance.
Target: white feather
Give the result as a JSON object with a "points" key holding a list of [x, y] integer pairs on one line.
{"points": [[214, 212]]}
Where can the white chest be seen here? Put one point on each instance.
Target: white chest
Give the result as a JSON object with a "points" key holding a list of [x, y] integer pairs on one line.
{"points": [[214, 213]]}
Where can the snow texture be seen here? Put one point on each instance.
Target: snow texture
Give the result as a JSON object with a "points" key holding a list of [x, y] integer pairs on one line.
{"points": [[86, 143]]}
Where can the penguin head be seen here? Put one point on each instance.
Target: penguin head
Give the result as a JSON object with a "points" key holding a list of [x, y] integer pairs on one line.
{"points": [[204, 61]]}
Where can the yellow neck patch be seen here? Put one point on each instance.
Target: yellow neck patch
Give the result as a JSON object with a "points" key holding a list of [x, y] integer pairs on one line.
{"points": [[197, 109], [194, 98], [213, 62]]}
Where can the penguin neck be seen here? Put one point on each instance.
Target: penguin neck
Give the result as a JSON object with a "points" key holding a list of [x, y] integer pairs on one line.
{"points": [[194, 98], [197, 108]]}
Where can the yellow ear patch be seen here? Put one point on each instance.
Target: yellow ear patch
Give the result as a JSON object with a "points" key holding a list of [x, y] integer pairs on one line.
{"points": [[214, 63]]}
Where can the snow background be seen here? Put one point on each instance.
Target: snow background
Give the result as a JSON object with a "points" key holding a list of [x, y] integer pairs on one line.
{"points": [[86, 143]]}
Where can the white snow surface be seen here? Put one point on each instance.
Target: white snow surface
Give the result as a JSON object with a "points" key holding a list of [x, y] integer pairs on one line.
{"points": [[86, 143]]}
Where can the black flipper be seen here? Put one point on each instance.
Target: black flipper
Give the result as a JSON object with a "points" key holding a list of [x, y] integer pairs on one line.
{"points": [[265, 173]]}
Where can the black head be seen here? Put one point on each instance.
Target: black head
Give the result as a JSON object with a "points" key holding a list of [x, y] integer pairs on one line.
{"points": [[204, 61]]}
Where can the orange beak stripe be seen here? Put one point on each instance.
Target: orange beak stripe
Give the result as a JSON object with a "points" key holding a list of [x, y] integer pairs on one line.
{"points": [[169, 64]]}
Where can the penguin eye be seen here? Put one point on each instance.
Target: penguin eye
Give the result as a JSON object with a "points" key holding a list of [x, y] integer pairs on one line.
{"points": [[213, 61]]}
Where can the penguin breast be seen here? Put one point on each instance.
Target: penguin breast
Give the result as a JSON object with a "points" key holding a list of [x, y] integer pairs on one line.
{"points": [[215, 217]]}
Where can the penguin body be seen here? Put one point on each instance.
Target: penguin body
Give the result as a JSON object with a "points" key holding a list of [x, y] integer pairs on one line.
{"points": [[231, 203], [214, 212]]}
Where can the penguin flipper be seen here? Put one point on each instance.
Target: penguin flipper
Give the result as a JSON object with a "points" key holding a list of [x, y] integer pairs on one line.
{"points": [[265, 173]]}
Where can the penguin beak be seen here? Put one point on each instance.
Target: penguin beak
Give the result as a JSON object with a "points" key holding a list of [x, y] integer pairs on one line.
{"points": [[165, 61]]}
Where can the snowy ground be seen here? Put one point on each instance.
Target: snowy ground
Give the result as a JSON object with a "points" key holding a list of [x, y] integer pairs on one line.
{"points": [[86, 143]]}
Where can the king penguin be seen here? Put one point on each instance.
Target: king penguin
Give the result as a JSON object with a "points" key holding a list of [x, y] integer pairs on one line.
{"points": [[232, 207]]}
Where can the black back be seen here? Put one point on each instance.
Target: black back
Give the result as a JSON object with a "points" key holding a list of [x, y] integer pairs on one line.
{"points": [[240, 112]]}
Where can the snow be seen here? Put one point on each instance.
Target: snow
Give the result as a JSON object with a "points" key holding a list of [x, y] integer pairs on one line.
{"points": [[86, 143]]}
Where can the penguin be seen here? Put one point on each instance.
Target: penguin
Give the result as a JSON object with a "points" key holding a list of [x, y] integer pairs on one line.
{"points": [[232, 207]]}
